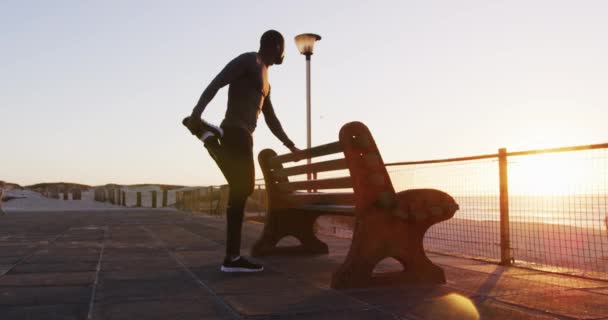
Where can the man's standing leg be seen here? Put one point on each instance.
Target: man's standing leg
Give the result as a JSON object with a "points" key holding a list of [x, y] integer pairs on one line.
{"points": [[241, 179], [235, 158]]}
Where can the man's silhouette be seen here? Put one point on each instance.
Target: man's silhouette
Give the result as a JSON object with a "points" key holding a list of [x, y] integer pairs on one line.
{"points": [[231, 145]]}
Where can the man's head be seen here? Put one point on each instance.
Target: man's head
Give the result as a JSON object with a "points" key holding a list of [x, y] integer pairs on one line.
{"points": [[272, 47]]}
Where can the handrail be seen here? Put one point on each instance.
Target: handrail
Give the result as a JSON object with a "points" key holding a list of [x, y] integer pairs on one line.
{"points": [[509, 154]]}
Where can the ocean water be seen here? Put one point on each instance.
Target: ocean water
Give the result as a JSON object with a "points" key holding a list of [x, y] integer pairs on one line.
{"points": [[589, 211]]}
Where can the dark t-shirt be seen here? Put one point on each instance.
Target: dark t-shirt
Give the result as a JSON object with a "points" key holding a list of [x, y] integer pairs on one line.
{"points": [[248, 95]]}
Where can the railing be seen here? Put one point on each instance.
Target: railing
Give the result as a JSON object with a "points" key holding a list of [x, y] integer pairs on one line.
{"points": [[539, 208], [134, 197], [214, 199], [54, 193]]}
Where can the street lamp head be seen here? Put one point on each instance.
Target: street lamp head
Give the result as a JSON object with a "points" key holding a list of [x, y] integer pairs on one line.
{"points": [[306, 43]]}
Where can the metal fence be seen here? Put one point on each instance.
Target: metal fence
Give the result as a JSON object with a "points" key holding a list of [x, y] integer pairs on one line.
{"points": [[543, 209]]}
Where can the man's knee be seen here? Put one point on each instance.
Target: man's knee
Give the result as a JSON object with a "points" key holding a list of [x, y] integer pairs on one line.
{"points": [[243, 191]]}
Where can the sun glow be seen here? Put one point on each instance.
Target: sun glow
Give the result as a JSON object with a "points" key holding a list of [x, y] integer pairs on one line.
{"points": [[553, 174]]}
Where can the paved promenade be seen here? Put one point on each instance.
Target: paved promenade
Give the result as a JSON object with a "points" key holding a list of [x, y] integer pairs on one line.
{"points": [[155, 264]]}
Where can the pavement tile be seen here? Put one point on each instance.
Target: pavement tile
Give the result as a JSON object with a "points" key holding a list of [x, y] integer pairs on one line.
{"points": [[202, 258], [178, 286], [297, 300], [452, 261], [145, 274], [9, 260], [573, 303], [48, 279], [44, 295], [355, 314], [402, 296], [14, 252], [141, 264], [473, 283], [159, 255], [48, 258], [196, 309], [4, 268], [54, 267], [60, 252], [457, 307], [564, 281], [136, 251], [45, 312], [494, 269], [250, 283]]}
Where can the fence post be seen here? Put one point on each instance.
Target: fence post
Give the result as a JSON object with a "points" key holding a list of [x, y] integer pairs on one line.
{"points": [[165, 198], [124, 198], [210, 198], [505, 238], [189, 200], [76, 194], [111, 196], [186, 200], [194, 200], [154, 199], [138, 204], [1, 195]]}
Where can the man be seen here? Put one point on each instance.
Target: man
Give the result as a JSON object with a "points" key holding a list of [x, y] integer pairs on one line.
{"points": [[231, 145]]}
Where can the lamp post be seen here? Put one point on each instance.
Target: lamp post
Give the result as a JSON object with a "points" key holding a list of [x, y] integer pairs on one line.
{"points": [[306, 43]]}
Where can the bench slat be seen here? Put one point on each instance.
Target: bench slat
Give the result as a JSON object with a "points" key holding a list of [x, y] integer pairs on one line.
{"points": [[338, 164], [346, 210], [321, 198], [320, 184], [318, 151]]}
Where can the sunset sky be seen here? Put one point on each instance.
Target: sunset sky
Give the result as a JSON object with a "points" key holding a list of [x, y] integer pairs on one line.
{"points": [[94, 91]]}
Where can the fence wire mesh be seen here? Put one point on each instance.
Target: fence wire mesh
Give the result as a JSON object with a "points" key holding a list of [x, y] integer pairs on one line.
{"points": [[558, 211], [475, 230]]}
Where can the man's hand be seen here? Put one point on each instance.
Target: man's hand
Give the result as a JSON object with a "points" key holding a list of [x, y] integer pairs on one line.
{"points": [[297, 153], [195, 126]]}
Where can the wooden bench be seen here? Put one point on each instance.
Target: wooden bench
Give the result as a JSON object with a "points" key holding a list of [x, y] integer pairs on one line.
{"points": [[387, 224]]}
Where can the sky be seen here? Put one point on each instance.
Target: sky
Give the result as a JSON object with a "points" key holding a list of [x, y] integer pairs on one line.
{"points": [[94, 91]]}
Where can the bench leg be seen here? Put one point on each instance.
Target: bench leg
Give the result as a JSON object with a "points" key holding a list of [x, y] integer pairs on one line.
{"points": [[379, 236], [280, 224]]}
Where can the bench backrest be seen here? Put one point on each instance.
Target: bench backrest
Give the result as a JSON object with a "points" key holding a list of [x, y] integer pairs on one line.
{"points": [[367, 174]]}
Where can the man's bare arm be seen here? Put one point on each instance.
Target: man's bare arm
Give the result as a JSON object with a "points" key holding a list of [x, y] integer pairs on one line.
{"points": [[231, 71], [275, 125]]}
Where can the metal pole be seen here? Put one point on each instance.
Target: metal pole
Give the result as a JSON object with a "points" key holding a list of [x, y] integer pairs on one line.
{"points": [[308, 112], [505, 238]]}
